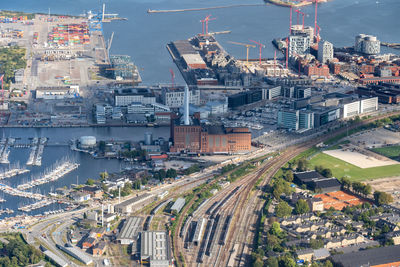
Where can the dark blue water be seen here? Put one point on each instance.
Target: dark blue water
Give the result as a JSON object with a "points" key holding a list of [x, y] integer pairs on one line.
{"points": [[144, 35]]}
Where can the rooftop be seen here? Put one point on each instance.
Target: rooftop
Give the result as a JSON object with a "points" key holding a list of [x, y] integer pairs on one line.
{"points": [[370, 257], [155, 246], [130, 230]]}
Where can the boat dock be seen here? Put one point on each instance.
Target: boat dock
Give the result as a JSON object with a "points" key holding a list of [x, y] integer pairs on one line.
{"points": [[53, 175], [15, 192], [199, 9], [6, 211], [12, 172], [5, 144], [35, 157], [36, 205]]}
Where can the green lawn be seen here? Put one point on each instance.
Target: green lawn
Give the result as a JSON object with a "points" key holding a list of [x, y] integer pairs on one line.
{"points": [[341, 168], [392, 152]]}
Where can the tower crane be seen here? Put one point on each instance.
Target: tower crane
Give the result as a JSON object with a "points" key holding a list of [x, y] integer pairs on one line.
{"points": [[172, 77], [315, 19], [247, 46], [205, 21], [260, 45], [109, 45], [303, 15]]}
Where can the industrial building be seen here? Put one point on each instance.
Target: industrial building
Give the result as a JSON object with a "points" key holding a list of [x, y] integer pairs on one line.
{"points": [[57, 92], [317, 182], [374, 257], [189, 135], [132, 204], [155, 249], [367, 44], [178, 205], [130, 230]]}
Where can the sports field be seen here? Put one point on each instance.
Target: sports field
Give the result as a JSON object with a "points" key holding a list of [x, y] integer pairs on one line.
{"points": [[392, 152], [341, 168]]}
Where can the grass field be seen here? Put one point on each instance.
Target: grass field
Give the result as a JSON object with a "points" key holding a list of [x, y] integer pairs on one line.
{"points": [[341, 168], [392, 152]]}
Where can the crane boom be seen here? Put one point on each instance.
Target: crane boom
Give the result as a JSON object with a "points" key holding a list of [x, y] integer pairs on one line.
{"points": [[247, 47]]}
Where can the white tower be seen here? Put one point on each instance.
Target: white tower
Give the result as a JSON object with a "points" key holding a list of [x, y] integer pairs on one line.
{"points": [[186, 107]]}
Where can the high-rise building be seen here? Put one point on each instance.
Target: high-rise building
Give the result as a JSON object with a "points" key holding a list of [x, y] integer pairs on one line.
{"points": [[299, 44], [325, 51], [367, 44]]}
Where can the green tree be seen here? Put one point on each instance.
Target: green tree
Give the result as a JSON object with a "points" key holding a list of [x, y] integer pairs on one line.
{"points": [[283, 209], [328, 263], [327, 173], [289, 176], [316, 243], [171, 173], [382, 198], [302, 165], [301, 207], [287, 261], [346, 183], [275, 229], [103, 176], [272, 262], [90, 182]]}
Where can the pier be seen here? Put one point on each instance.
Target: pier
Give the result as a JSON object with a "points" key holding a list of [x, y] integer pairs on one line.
{"points": [[36, 205], [35, 157], [6, 211], [199, 9], [15, 192], [12, 172], [5, 144], [53, 175]]}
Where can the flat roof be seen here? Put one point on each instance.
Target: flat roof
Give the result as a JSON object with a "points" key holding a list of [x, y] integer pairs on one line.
{"points": [[369, 257], [178, 205], [193, 59], [132, 200], [131, 227], [155, 246], [307, 176]]}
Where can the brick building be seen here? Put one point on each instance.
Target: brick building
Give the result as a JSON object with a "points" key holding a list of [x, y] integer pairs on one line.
{"points": [[200, 138], [314, 70]]}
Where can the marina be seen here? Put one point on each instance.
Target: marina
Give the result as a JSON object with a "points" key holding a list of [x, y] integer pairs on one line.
{"points": [[6, 211], [15, 192], [5, 144], [52, 175], [35, 156], [36, 205], [12, 172]]}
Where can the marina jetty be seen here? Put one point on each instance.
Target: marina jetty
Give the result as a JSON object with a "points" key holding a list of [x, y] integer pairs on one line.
{"points": [[5, 144], [12, 172], [36, 205], [199, 9], [15, 192], [53, 175], [35, 157]]}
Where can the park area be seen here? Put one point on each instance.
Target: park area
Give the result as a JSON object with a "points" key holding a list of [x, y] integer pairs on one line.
{"points": [[392, 152], [342, 168]]}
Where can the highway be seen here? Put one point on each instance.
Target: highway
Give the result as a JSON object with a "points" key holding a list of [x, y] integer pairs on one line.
{"points": [[244, 206]]}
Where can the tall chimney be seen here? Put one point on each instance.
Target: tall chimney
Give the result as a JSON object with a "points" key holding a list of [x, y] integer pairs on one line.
{"points": [[186, 106]]}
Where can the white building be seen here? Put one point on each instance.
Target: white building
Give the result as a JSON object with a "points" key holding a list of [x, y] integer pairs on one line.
{"points": [[175, 98], [367, 44], [360, 106], [325, 51], [57, 92]]}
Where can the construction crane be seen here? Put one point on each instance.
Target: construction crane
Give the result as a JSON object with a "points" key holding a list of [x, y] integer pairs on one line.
{"points": [[172, 77], [275, 63], [109, 46], [317, 29], [287, 51], [298, 59], [205, 21], [2, 88], [298, 14], [247, 46], [260, 45], [315, 19]]}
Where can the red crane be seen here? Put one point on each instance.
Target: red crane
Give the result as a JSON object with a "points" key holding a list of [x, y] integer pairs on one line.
{"points": [[298, 14], [290, 21], [315, 19], [260, 45], [275, 63], [172, 77], [206, 20], [317, 29], [287, 51], [2, 88]]}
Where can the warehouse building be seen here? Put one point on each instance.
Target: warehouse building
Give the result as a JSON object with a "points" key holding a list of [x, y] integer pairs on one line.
{"points": [[132, 204], [382, 256], [155, 249], [317, 182], [130, 230], [178, 205]]}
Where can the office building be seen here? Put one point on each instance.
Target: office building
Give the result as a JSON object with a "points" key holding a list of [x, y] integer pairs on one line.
{"points": [[288, 119], [125, 97], [174, 98]]}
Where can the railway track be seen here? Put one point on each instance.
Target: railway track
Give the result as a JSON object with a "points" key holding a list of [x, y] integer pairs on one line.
{"points": [[244, 206]]}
